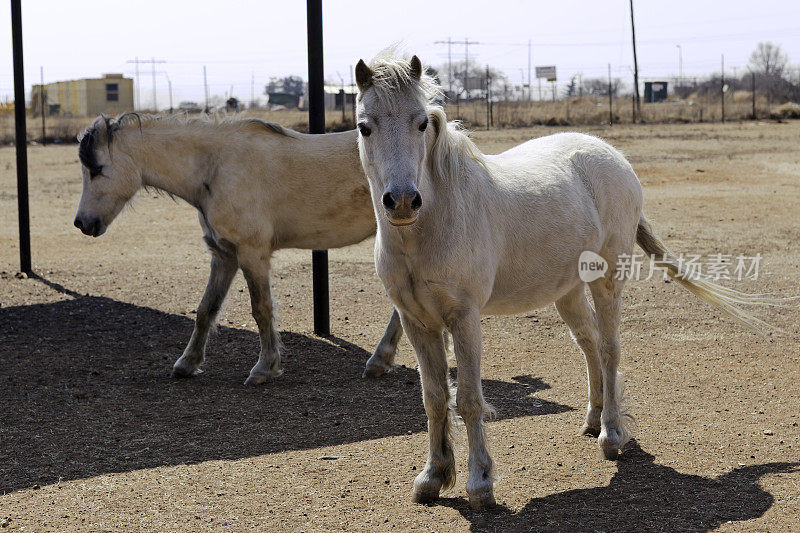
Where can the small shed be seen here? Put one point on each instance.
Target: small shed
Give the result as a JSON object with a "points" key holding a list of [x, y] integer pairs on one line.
{"points": [[655, 91], [112, 94]]}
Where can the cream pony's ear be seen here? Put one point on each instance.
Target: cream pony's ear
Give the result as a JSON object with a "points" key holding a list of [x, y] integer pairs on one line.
{"points": [[363, 76], [416, 69]]}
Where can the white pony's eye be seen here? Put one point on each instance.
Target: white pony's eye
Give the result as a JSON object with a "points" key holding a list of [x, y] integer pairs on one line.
{"points": [[364, 130], [424, 125]]}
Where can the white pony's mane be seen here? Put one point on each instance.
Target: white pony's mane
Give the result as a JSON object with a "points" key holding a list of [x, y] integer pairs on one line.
{"points": [[452, 148]]}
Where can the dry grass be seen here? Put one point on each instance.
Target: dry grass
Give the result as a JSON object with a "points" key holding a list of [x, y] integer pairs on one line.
{"points": [[66, 129], [586, 110]]}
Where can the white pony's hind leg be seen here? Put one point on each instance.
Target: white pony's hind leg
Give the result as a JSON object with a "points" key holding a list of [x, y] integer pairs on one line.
{"points": [[383, 357], [574, 308], [223, 270], [614, 432]]}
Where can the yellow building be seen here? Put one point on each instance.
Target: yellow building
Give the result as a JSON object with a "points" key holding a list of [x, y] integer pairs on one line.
{"points": [[112, 94]]}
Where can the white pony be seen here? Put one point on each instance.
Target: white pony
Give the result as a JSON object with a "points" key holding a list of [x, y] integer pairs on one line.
{"points": [[461, 234], [257, 187]]}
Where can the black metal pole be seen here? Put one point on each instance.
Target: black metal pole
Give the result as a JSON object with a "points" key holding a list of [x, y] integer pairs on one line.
{"points": [[21, 141], [316, 124]]}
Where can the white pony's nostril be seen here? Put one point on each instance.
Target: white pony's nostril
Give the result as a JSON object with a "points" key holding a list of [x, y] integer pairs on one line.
{"points": [[416, 203], [388, 201]]}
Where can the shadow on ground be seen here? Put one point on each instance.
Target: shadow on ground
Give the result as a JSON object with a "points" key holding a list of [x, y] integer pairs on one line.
{"points": [[85, 390], [642, 496]]}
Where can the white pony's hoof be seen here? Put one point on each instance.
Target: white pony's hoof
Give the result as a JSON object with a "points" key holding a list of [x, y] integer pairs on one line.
{"points": [[257, 378], [375, 370], [589, 430], [183, 370], [482, 500], [426, 488], [610, 443]]}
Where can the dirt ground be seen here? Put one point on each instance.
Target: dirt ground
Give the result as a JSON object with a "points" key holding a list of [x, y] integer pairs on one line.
{"points": [[95, 436]]}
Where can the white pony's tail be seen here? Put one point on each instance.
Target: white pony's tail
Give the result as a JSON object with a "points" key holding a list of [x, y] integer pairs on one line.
{"points": [[729, 301]]}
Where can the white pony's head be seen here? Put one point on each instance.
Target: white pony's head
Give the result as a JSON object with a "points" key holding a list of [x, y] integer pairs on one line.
{"points": [[109, 179], [392, 116]]}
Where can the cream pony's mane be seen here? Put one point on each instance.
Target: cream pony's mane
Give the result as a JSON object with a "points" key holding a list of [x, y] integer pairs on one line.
{"points": [[92, 135], [234, 122], [452, 148]]}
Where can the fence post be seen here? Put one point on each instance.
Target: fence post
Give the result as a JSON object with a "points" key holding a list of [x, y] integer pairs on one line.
{"points": [[316, 124], [21, 140]]}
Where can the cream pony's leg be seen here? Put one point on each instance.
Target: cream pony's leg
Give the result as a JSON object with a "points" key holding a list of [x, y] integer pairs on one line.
{"points": [[383, 357], [574, 308], [223, 270], [255, 266]]}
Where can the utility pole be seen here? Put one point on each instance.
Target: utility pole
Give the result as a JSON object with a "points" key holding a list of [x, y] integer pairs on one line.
{"points": [[43, 104], [610, 99], [529, 71], [344, 97], [449, 43], [155, 99], [466, 42], [205, 87], [169, 84], [137, 61], [753, 88], [352, 87], [488, 98], [252, 89], [722, 88], [680, 65], [138, 104], [638, 108]]}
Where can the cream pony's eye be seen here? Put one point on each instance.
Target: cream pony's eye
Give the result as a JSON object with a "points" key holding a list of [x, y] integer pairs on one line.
{"points": [[424, 125], [363, 129]]}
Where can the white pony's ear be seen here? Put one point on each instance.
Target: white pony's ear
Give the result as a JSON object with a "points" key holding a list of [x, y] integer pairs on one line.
{"points": [[416, 69], [363, 76]]}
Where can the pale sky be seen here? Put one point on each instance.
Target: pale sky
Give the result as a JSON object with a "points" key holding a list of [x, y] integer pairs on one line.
{"points": [[238, 40]]}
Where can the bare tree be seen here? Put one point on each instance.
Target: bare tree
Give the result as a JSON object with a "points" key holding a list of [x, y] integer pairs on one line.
{"points": [[768, 59]]}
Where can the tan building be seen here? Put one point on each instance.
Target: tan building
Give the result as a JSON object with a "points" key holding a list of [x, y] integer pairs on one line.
{"points": [[112, 94]]}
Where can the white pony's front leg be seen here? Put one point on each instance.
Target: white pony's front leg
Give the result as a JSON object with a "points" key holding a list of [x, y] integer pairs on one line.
{"points": [[439, 472], [255, 266], [383, 357], [223, 270], [472, 408]]}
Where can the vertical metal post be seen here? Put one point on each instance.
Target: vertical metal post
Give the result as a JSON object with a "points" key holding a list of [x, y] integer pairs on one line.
{"points": [[21, 141], [316, 124]]}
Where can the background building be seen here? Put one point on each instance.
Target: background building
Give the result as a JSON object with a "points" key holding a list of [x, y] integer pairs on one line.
{"points": [[112, 94]]}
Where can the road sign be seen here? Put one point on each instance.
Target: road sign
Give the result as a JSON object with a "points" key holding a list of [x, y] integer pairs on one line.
{"points": [[548, 72]]}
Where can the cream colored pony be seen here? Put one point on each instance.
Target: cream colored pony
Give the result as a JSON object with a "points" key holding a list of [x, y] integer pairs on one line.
{"points": [[461, 234], [257, 187]]}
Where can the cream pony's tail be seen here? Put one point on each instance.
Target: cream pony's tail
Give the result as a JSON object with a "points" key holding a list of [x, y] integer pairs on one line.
{"points": [[729, 301]]}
